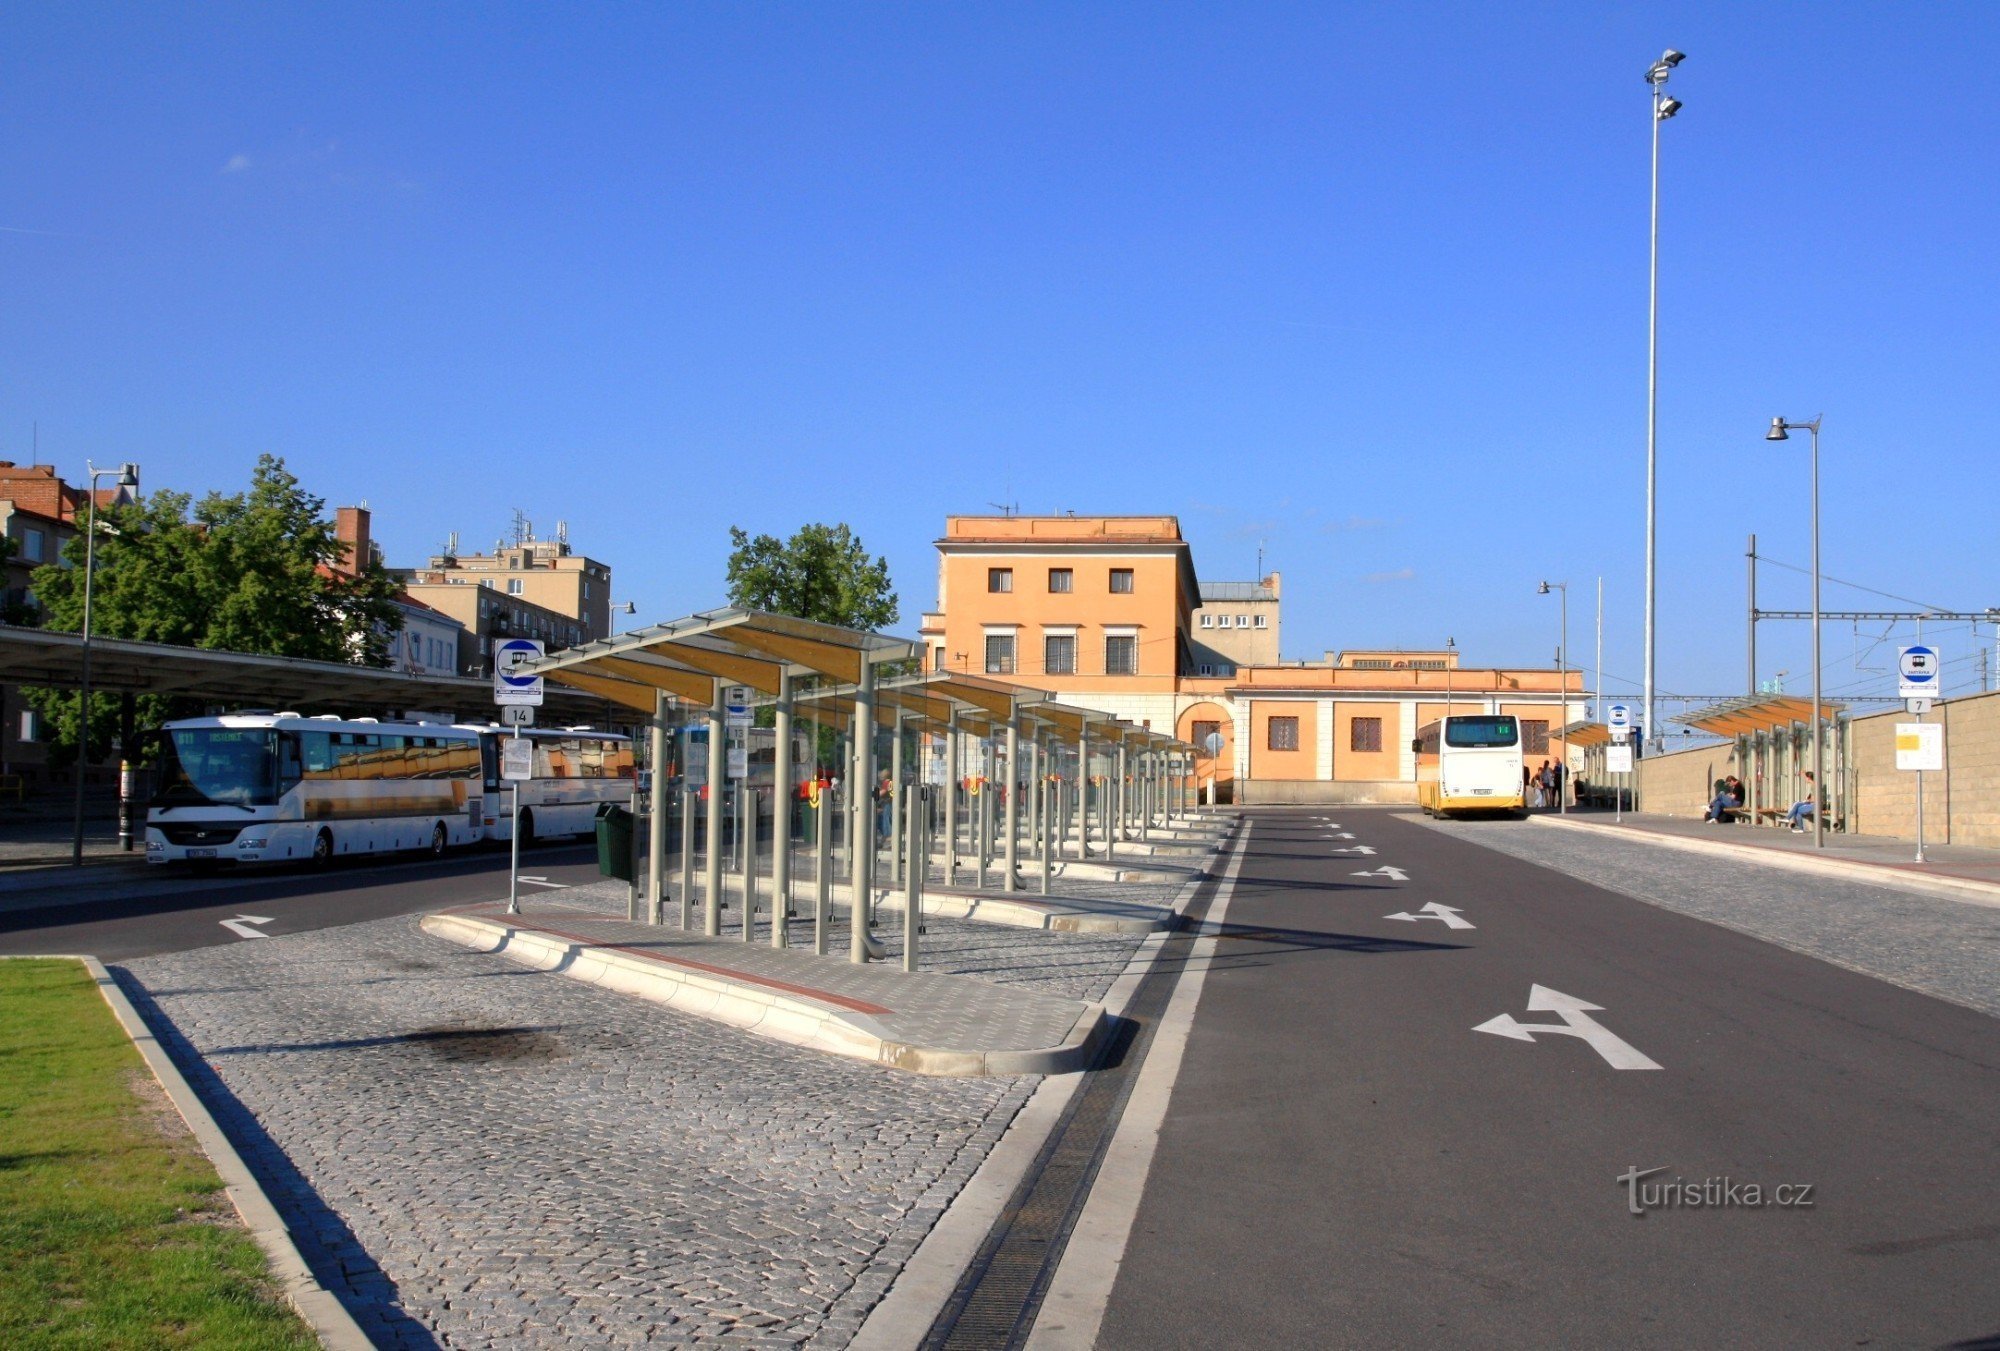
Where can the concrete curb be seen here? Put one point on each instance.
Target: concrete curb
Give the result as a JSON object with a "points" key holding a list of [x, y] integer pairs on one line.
{"points": [[1021, 912], [319, 1307], [904, 1316], [1951, 888], [794, 1019]]}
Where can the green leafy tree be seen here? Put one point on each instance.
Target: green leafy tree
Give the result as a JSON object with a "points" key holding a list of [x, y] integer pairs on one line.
{"points": [[245, 572], [822, 573]]}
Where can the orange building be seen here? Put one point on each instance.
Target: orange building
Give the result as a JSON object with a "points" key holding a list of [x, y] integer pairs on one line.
{"points": [[1101, 610]]}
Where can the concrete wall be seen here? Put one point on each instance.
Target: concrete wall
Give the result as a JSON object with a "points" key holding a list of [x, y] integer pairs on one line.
{"points": [[1961, 805]]}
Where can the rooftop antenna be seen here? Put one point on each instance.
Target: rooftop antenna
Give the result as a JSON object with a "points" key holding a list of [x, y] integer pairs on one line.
{"points": [[562, 532], [524, 529], [1260, 560], [1005, 508]]}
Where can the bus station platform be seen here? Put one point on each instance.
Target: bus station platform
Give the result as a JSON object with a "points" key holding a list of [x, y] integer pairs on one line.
{"points": [[1965, 872], [922, 1022]]}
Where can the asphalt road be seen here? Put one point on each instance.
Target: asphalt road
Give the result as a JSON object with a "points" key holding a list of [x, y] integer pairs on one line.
{"points": [[116, 918], [1346, 1162]]}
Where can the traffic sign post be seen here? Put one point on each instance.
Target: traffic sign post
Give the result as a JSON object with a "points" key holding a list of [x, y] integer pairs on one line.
{"points": [[1917, 685], [517, 715], [517, 762]]}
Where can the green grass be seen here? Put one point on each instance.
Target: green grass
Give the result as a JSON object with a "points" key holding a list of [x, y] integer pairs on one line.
{"points": [[114, 1229]]}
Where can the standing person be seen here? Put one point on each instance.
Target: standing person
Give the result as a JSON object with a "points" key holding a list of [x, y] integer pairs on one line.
{"points": [[885, 806], [1528, 786], [1806, 807]]}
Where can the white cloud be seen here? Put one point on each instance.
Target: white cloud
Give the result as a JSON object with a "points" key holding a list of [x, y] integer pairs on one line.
{"points": [[237, 164], [1399, 575]]}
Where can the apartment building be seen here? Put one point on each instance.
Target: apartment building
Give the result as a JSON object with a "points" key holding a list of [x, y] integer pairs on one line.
{"points": [[1107, 612], [532, 588]]}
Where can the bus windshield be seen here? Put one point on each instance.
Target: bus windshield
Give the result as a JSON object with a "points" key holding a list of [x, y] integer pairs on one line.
{"points": [[226, 766], [1476, 732]]}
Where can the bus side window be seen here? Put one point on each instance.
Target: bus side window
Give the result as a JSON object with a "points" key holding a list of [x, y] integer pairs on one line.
{"points": [[288, 761], [316, 754]]}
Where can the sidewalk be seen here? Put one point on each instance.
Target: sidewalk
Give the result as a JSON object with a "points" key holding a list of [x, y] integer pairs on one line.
{"points": [[924, 1022], [1962, 872]]}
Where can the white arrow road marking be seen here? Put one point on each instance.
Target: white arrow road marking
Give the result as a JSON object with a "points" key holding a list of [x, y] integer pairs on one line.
{"points": [[240, 926], [1576, 1022], [544, 882], [1341, 835], [1448, 914], [1353, 849], [1390, 871]]}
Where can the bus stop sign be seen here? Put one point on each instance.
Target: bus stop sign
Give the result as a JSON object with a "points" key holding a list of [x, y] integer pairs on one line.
{"points": [[509, 688]]}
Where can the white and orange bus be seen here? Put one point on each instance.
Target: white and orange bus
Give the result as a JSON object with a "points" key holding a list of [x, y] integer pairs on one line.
{"points": [[1469, 763]]}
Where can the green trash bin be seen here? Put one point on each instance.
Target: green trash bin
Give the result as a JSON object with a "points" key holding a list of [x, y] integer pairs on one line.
{"points": [[614, 841]]}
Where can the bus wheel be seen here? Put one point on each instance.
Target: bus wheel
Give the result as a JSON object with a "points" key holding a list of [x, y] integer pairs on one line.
{"points": [[439, 839], [322, 853], [527, 829]]}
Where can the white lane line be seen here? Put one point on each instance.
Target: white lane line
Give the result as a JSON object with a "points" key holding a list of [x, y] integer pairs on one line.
{"points": [[240, 926], [1576, 1022], [544, 882], [1448, 915], [1073, 1310]]}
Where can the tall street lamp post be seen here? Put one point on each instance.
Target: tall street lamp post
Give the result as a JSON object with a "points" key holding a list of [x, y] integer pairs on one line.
{"points": [[128, 477], [1777, 433], [1562, 685], [1664, 106]]}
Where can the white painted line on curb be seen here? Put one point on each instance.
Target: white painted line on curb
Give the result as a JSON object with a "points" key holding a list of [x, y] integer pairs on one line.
{"points": [[319, 1307], [1073, 1310], [905, 1315]]}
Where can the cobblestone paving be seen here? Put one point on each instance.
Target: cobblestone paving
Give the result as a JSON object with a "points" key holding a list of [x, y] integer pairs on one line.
{"points": [[1941, 947], [488, 1156]]}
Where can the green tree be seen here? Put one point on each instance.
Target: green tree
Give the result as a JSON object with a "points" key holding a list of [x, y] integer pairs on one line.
{"points": [[822, 573], [245, 572]]}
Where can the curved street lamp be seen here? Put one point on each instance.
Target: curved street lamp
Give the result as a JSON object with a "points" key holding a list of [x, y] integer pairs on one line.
{"points": [[1779, 428], [128, 477]]}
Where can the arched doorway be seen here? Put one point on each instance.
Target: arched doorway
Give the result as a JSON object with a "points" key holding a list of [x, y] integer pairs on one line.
{"points": [[1194, 726]]}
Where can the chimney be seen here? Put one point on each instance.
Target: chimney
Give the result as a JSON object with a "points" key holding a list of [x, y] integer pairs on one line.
{"points": [[350, 526]]}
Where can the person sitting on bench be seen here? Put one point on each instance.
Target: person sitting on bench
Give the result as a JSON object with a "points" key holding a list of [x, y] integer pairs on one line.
{"points": [[1728, 800], [1805, 807]]}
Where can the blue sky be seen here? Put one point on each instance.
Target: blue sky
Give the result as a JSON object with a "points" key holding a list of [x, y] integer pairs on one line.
{"points": [[1364, 284]]}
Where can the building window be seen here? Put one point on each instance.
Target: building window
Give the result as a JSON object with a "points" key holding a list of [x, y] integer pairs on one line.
{"points": [[937, 659], [1260, 621], [1121, 581], [586, 590], [1121, 654], [31, 725], [514, 586], [1282, 734], [1059, 653], [1364, 734], [1225, 669], [1207, 669], [32, 544], [1061, 581], [1243, 621], [1208, 621], [1534, 736], [999, 654], [999, 580], [1202, 731]]}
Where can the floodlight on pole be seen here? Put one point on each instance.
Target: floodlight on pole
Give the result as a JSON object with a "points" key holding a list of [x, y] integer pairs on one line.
{"points": [[1778, 432], [128, 480], [1663, 107]]}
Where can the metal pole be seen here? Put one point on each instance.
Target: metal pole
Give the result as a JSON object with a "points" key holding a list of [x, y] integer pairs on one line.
{"points": [[951, 800], [1597, 668], [861, 867], [656, 826], [688, 799], [1083, 790], [514, 855], [984, 829], [1920, 806], [1750, 685], [822, 868], [1011, 854], [1818, 733], [913, 877], [718, 787], [83, 706], [1048, 797], [1652, 416], [746, 851], [899, 838], [1562, 678], [781, 816]]}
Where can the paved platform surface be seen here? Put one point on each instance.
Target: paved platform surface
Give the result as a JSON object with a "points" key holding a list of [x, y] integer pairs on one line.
{"points": [[928, 1021], [487, 1156], [1893, 857]]}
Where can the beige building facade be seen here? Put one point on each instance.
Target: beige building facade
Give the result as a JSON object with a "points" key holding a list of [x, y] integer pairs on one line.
{"points": [[532, 588]]}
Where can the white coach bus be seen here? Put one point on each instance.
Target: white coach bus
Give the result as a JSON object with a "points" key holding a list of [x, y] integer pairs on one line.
{"points": [[576, 768], [1469, 763], [267, 787]]}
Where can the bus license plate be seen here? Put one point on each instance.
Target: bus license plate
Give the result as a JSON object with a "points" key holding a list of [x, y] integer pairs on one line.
{"points": [[201, 853]]}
